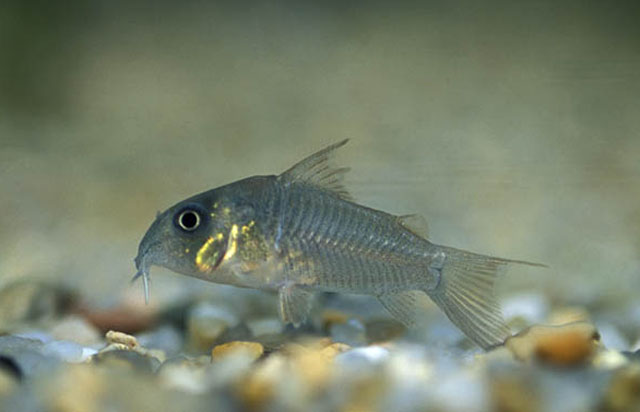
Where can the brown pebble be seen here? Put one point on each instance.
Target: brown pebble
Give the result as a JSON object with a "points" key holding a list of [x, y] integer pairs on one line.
{"points": [[564, 345], [312, 366], [76, 388], [77, 329], [118, 341], [331, 351], [253, 349], [259, 387], [114, 337], [514, 392], [624, 390], [384, 330], [333, 317], [565, 349], [127, 317], [202, 333]]}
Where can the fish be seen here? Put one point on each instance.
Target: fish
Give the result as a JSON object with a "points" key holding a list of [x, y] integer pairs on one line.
{"points": [[301, 232]]}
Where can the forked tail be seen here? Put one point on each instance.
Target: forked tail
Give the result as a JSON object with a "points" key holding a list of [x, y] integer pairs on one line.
{"points": [[466, 295]]}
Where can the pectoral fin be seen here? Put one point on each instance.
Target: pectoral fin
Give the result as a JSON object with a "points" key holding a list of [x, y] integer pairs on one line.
{"points": [[295, 304]]}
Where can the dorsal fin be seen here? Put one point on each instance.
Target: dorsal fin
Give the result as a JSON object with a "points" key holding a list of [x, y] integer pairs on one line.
{"points": [[416, 224], [318, 170]]}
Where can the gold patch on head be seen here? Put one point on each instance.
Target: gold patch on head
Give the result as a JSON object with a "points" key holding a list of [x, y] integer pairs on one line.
{"points": [[208, 255]]}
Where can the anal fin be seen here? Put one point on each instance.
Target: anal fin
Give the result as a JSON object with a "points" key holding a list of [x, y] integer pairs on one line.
{"points": [[405, 306], [294, 304]]}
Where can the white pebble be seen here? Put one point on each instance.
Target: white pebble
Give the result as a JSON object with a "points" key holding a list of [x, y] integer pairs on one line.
{"points": [[64, 350], [370, 355], [265, 326], [611, 338]]}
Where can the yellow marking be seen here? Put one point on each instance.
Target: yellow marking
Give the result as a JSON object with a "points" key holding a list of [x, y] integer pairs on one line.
{"points": [[186, 250], [215, 205], [213, 214], [226, 210], [246, 228], [202, 257], [232, 248]]}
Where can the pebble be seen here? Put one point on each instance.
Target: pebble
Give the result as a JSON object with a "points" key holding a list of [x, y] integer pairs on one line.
{"points": [[253, 350], [311, 365], [34, 334], [612, 338], [259, 388], [514, 389], [446, 395], [122, 342], [238, 332], [440, 333], [76, 388], [77, 329], [363, 357], [381, 330], [352, 332], [610, 359], [65, 350], [265, 326], [206, 323], [183, 375], [9, 367], [129, 317], [31, 301], [127, 360], [329, 352], [229, 371], [570, 314], [564, 345], [27, 355], [332, 317], [338, 361], [8, 382], [165, 338], [623, 393]]}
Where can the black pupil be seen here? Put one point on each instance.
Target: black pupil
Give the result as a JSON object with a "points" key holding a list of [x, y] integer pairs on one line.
{"points": [[189, 220]]}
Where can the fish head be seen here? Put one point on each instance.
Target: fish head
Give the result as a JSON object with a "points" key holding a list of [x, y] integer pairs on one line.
{"points": [[200, 236], [189, 238]]}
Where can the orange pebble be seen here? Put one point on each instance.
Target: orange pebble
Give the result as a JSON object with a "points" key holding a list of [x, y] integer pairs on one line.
{"points": [[565, 349]]}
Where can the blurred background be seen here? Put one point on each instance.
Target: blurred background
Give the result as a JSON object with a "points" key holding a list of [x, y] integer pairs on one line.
{"points": [[515, 130]]}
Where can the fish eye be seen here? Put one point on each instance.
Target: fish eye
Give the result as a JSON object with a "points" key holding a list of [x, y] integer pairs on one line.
{"points": [[189, 220]]}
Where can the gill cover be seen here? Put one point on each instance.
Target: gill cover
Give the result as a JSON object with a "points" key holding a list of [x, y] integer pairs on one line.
{"points": [[212, 252]]}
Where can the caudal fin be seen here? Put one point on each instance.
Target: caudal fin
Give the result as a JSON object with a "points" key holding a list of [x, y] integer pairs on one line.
{"points": [[466, 295]]}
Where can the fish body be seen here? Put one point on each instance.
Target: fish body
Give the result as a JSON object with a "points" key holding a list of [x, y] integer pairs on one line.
{"points": [[299, 232]]}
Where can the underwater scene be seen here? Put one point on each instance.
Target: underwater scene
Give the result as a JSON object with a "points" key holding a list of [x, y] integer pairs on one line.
{"points": [[319, 206]]}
